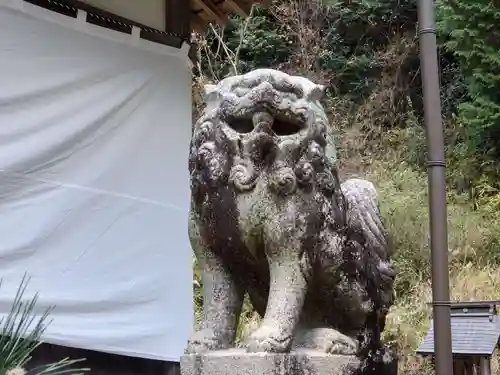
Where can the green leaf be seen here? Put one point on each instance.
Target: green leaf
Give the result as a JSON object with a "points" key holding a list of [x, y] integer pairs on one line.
{"points": [[21, 332]]}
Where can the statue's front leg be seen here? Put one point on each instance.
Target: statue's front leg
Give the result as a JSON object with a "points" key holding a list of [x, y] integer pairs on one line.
{"points": [[222, 302], [286, 297]]}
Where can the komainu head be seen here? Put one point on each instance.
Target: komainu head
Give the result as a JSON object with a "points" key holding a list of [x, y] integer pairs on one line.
{"points": [[262, 122]]}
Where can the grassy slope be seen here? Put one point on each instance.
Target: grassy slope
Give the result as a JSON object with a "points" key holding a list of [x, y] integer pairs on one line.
{"points": [[392, 159], [403, 196], [403, 204]]}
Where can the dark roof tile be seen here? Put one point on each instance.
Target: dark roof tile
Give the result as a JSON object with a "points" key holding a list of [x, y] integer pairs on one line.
{"points": [[474, 335]]}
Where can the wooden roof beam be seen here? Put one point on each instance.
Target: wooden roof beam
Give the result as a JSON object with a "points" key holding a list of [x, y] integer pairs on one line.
{"points": [[197, 23], [212, 11], [178, 17], [241, 9]]}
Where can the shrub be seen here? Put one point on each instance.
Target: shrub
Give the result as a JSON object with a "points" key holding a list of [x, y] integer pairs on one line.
{"points": [[20, 334]]}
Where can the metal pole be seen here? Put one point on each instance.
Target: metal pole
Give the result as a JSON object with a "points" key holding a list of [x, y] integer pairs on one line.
{"points": [[437, 188]]}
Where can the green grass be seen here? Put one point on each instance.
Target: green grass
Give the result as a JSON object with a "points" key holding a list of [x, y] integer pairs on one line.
{"points": [[472, 245]]}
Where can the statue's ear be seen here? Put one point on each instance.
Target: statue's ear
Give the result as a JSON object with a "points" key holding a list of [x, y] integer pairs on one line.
{"points": [[317, 93], [210, 91]]}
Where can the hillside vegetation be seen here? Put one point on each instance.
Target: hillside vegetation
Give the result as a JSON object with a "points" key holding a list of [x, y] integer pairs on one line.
{"points": [[366, 53]]}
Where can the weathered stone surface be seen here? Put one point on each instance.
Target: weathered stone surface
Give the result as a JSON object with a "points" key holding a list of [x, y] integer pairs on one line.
{"points": [[269, 217], [237, 362]]}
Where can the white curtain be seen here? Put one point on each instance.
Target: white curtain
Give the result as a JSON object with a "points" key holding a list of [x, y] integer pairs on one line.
{"points": [[94, 188]]}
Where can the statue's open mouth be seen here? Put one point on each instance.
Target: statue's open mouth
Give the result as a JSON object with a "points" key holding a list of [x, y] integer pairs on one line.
{"points": [[263, 121]]}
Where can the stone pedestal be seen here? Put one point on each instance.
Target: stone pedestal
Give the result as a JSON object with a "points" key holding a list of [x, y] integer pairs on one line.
{"points": [[239, 362]]}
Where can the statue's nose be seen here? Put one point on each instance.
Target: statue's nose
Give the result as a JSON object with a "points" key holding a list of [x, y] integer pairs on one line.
{"points": [[263, 123]]}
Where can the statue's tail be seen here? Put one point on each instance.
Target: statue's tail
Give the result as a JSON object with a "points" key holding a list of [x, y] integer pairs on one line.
{"points": [[363, 217], [363, 214]]}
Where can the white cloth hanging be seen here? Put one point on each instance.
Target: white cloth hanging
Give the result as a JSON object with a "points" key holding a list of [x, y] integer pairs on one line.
{"points": [[94, 187]]}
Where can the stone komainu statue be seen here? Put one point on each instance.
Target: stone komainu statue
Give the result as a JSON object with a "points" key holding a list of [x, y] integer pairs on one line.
{"points": [[269, 217]]}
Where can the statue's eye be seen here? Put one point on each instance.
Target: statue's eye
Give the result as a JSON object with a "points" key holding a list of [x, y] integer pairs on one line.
{"points": [[241, 125], [283, 127], [280, 126]]}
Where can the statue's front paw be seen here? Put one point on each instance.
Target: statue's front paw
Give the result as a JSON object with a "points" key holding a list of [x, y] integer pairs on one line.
{"points": [[268, 339], [326, 340], [202, 341], [343, 345]]}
